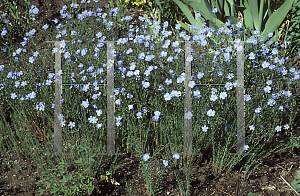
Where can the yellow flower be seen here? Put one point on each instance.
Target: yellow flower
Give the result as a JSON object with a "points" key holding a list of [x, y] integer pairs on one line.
{"points": [[140, 3]]}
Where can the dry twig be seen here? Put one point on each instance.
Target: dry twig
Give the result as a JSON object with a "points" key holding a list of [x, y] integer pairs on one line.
{"points": [[289, 185]]}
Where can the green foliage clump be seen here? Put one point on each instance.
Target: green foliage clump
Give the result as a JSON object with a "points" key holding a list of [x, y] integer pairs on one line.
{"points": [[253, 194], [296, 183]]}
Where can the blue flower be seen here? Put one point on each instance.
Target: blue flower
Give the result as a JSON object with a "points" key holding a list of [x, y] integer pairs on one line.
{"points": [[227, 127], [235, 32], [176, 155], [146, 157], [165, 163]]}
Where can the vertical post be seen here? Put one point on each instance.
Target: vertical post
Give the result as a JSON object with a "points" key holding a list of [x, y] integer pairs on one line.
{"points": [[110, 99], [57, 103], [57, 106], [240, 100], [187, 102]]}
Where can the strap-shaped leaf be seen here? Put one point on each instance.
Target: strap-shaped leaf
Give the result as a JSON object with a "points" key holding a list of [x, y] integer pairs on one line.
{"points": [[248, 19], [217, 23], [204, 8], [233, 19], [260, 18], [186, 11], [229, 8], [186, 27], [277, 17], [254, 11]]}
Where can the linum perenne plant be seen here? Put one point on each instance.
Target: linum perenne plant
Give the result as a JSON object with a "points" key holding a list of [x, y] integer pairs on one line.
{"points": [[25, 9], [21, 19], [147, 84], [155, 176]]}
